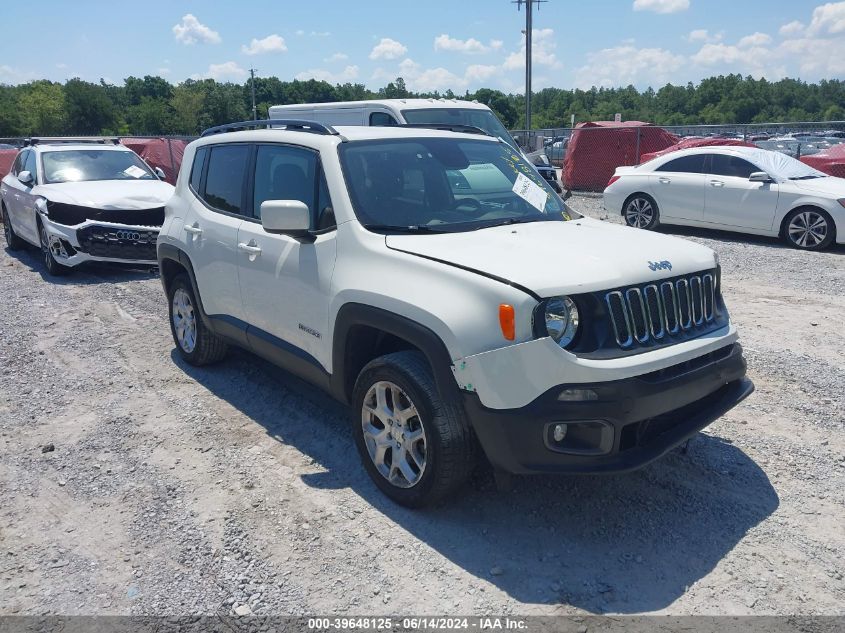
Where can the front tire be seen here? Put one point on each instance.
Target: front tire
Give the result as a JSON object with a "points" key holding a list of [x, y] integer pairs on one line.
{"points": [[54, 268], [196, 344], [641, 212], [809, 229], [417, 448], [13, 242]]}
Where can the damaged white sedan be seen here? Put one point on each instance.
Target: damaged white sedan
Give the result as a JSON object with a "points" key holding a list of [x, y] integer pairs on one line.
{"points": [[83, 201]]}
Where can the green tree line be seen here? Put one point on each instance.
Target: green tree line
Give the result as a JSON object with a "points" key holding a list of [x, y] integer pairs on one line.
{"points": [[154, 106]]}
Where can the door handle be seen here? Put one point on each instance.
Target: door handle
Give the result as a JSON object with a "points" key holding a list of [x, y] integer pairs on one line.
{"points": [[252, 249], [717, 183], [664, 180], [193, 229]]}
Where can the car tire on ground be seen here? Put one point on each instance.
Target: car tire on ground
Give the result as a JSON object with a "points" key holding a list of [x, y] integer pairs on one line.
{"points": [[809, 229], [13, 242], [417, 448], [196, 344], [54, 268], [641, 212]]}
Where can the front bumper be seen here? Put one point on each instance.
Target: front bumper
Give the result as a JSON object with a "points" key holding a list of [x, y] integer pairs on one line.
{"points": [[102, 241], [647, 415]]}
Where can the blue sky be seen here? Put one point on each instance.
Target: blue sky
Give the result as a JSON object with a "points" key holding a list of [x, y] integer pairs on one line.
{"points": [[434, 45]]}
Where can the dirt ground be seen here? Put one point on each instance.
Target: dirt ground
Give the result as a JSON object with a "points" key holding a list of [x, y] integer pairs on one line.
{"points": [[175, 490]]}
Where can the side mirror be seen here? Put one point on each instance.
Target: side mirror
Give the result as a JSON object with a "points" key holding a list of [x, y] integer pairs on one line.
{"points": [[160, 173], [288, 217], [760, 176], [26, 178]]}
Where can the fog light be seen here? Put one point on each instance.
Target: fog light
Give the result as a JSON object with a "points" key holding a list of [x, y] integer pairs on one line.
{"points": [[560, 432], [577, 395]]}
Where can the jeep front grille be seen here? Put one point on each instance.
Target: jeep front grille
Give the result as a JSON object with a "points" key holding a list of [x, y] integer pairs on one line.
{"points": [[681, 307]]}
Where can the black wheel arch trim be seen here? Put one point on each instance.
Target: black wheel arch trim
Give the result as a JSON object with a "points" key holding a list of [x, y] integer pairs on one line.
{"points": [[172, 253], [352, 315]]}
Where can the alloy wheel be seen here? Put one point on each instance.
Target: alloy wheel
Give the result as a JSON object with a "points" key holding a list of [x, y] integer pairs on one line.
{"points": [[639, 213], [7, 227], [184, 320], [808, 229], [394, 434]]}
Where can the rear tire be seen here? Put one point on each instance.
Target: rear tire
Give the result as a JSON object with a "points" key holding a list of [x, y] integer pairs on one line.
{"points": [[196, 344], [410, 422], [809, 229], [54, 268], [13, 242], [641, 212]]}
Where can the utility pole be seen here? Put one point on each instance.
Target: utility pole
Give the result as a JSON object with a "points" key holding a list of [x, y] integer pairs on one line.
{"points": [[252, 83], [529, 25]]}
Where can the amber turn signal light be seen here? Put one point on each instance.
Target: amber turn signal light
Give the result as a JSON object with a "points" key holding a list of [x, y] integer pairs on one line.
{"points": [[507, 321]]}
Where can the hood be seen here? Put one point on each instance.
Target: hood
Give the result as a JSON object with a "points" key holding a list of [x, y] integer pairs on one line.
{"points": [[551, 258], [109, 194], [830, 186]]}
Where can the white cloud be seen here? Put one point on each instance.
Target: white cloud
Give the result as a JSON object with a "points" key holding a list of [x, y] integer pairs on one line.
{"points": [[793, 28], [270, 44], [626, 64], [703, 35], [190, 31], [712, 54], [388, 49], [226, 71], [11, 75], [828, 19], [348, 74], [755, 39], [471, 46], [661, 6], [162, 72], [337, 57], [542, 51], [477, 73]]}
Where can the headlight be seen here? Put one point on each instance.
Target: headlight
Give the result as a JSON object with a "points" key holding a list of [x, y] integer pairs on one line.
{"points": [[41, 205], [560, 315]]}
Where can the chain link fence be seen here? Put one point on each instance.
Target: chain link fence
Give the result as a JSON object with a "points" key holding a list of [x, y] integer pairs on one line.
{"points": [[589, 155]]}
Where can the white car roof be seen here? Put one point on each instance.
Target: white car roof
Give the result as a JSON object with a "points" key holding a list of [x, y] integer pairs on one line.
{"points": [[59, 147], [401, 104], [351, 133]]}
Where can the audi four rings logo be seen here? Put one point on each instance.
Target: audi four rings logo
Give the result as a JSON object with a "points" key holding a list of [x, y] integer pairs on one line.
{"points": [[664, 265], [128, 235]]}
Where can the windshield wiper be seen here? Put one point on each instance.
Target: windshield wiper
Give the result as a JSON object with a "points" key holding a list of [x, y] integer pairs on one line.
{"points": [[805, 177], [404, 229], [512, 221]]}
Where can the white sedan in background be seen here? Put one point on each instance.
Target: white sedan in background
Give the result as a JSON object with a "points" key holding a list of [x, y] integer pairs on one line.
{"points": [[741, 189]]}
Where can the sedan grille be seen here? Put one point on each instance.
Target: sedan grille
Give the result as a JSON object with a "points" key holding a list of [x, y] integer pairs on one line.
{"points": [[681, 307]]}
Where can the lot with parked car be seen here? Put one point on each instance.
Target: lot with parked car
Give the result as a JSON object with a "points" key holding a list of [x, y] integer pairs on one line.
{"points": [[134, 483]]}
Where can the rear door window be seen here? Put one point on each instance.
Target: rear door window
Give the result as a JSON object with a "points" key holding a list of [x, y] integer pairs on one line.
{"points": [[224, 182], [685, 165], [381, 119], [196, 169]]}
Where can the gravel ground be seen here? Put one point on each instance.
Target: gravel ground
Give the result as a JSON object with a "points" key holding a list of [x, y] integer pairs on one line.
{"points": [[175, 490]]}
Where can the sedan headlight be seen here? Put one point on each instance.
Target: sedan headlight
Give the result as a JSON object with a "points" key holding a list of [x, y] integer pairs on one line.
{"points": [[560, 320], [41, 205]]}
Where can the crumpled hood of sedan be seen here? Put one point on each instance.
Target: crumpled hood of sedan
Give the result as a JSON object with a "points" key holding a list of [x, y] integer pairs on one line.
{"points": [[551, 258], [109, 194]]}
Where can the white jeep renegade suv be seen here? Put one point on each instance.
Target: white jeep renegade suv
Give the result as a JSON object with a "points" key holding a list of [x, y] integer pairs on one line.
{"points": [[435, 283]]}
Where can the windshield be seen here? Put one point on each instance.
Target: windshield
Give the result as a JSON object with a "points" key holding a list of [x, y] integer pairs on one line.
{"points": [[482, 119], [783, 167], [445, 185], [91, 164]]}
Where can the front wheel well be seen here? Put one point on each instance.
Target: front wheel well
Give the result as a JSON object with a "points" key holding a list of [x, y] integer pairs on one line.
{"points": [[169, 269], [365, 343], [809, 207]]}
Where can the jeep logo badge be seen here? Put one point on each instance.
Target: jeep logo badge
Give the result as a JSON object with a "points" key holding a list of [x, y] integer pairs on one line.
{"points": [[664, 265]]}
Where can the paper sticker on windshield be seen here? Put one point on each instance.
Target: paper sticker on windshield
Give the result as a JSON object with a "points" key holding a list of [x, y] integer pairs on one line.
{"points": [[530, 191], [134, 171]]}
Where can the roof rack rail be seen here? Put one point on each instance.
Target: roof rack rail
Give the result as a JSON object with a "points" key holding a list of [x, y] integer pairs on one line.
{"points": [[448, 127], [299, 125], [50, 140]]}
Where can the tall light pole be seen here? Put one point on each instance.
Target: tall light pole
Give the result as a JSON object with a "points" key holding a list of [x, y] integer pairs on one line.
{"points": [[252, 83], [529, 10]]}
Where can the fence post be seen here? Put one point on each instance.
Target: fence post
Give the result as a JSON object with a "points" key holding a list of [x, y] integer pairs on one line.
{"points": [[637, 157], [172, 162]]}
